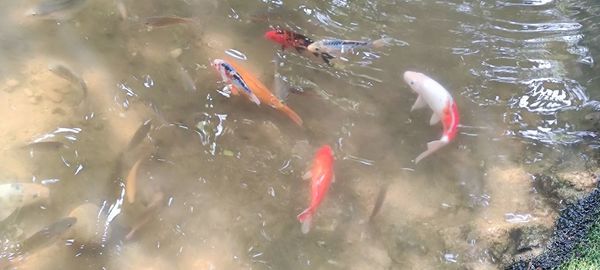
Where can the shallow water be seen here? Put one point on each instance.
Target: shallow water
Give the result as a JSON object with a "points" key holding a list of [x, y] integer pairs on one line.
{"points": [[229, 173]]}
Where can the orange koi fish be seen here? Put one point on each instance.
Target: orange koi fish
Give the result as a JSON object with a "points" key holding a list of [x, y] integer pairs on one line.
{"points": [[321, 174], [242, 80]]}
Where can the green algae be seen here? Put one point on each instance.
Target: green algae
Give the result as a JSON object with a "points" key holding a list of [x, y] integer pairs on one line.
{"points": [[587, 253]]}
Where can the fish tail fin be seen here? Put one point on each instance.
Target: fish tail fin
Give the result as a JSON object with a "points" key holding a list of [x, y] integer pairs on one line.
{"points": [[291, 114], [382, 42], [431, 147], [254, 98], [306, 219]]}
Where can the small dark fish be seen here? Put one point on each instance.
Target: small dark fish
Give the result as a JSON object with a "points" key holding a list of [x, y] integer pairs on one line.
{"points": [[379, 201], [140, 134], [47, 235], [67, 74], [39, 240], [148, 214], [166, 20], [58, 9]]}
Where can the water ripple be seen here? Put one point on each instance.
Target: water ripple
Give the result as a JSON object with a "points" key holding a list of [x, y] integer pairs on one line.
{"points": [[549, 95]]}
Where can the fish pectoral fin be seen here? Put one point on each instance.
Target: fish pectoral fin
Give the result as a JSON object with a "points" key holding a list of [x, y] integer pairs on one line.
{"points": [[234, 90], [307, 175], [333, 178], [254, 98], [434, 119], [420, 103], [326, 58]]}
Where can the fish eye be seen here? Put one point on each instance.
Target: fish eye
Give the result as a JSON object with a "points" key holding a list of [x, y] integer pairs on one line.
{"points": [[412, 82], [317, 49]]}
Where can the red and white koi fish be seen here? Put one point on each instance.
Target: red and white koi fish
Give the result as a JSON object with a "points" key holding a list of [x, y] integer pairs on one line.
{"points": [[432, 94], [321, 174]]}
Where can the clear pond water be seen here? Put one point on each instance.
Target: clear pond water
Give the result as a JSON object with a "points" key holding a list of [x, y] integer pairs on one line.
{"points": [[219, 179]]}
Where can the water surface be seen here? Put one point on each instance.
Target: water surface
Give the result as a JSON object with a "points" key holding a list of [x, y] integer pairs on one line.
{"points": [[226, 174]]}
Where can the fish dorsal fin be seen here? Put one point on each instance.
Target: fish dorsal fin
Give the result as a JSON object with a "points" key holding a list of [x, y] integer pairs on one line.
{"points": [[434, 119], [420, 103]]}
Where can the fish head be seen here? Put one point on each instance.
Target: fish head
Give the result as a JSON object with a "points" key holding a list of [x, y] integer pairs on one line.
{"points": [[414, 79], [276, 35], [222, 68], [325, 151], [592, 116], [316, 47]]}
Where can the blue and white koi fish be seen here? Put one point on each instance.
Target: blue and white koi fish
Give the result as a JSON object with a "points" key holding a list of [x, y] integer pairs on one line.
{"points": [[231, 76], [337, 47]]}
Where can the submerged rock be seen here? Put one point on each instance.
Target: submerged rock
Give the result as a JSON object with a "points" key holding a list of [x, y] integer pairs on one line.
{"points": [[514, 223], [570, 229], [88, 228], [564, 187]]}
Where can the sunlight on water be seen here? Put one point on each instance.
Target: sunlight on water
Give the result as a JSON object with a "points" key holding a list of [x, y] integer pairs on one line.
{"points": [[164, 166]]}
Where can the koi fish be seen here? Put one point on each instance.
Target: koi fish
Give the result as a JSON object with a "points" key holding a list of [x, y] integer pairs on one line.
{"points": [[321, 174], [431, 93], [290, 39], [241, 80], [337, 47], [230, 75]]}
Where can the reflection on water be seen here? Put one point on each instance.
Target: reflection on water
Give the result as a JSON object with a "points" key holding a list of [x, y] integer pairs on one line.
{"points": [[217, 179]]}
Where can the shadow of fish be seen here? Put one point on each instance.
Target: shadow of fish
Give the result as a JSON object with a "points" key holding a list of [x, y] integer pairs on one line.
{"points": [[159, 21], [379, 201]]}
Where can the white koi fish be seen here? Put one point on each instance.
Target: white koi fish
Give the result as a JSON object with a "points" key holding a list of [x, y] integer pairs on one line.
{"points": [[337, 47], [231, 76], [431, 93]]}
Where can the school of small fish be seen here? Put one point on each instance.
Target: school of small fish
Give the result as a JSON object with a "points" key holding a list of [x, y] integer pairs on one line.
{"points": [[237, 79]]}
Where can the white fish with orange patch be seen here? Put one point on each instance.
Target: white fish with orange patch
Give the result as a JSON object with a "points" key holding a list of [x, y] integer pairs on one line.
{"points": [[432, 94]]}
